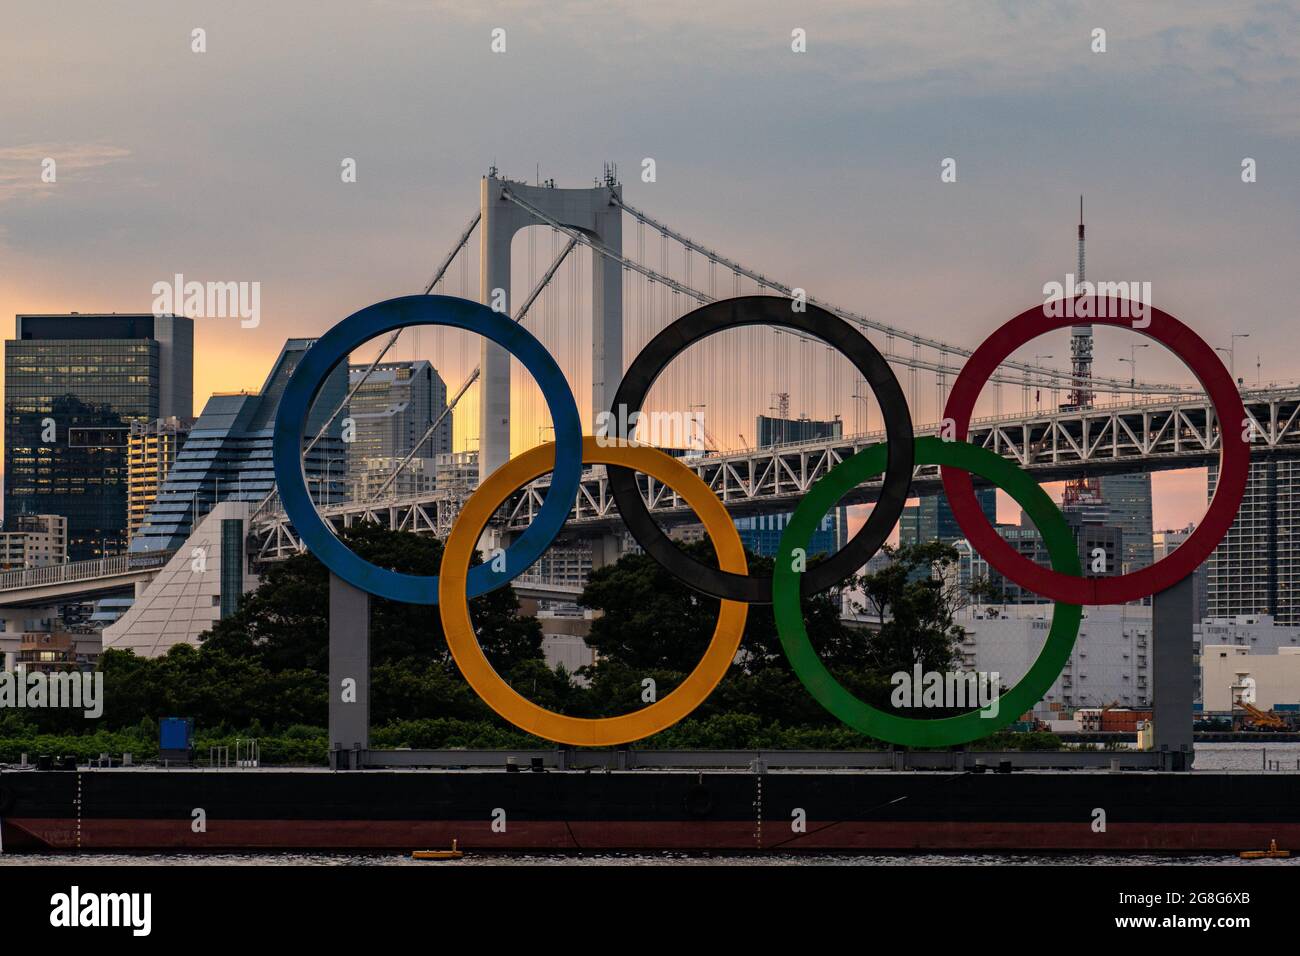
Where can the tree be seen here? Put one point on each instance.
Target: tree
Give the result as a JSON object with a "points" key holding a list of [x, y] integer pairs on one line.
{"points": [[915, 600], [269, 660], [654, 626], [284, 622]]}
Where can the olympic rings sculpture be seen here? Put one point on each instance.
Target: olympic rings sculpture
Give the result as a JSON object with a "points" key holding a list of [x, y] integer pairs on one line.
{"points": [[458, 580]]}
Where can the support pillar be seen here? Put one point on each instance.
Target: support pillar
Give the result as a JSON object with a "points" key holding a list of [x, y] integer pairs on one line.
{"points": [[605, 550], [606, 309], [500, 220], [1172, 614], [349, 667]]}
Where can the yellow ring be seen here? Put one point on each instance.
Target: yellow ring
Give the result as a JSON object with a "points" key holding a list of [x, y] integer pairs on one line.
{"points": [[500, 696]]}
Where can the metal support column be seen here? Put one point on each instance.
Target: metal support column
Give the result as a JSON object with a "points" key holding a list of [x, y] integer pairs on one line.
{"points": [[349, 700], [1172, 614]]}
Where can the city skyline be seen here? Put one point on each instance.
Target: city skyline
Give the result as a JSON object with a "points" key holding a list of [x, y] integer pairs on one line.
{"points": [[601, 434], [1156, 145]]}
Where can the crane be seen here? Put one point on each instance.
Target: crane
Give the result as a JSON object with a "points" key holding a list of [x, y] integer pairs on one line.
{"points": [[1261, 718]]}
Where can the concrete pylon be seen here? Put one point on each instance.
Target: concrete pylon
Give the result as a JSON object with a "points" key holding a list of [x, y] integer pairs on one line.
{"points": [[593, 212], [1172, 619], [349, 660]]}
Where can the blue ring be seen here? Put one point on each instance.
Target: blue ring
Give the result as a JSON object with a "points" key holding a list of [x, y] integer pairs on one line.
{"points": [[333, 347]]}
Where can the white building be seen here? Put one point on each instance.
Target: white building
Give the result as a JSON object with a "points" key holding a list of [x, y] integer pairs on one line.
{"points": [[201, 584], [1111, 660], [371, 475], [1231, 673]]}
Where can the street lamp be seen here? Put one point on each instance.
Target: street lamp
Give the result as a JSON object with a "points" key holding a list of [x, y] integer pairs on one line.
{"points": [[328, 463], [703, 435], [1231, 352], [1133, 362], [1038, 392], [866, 412]]}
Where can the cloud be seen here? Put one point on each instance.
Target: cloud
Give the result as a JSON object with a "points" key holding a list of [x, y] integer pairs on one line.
{"points": [[1232, 57], [21, 166]]}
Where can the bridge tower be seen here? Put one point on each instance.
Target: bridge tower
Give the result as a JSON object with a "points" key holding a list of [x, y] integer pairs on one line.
{"points": [[593, 211]]}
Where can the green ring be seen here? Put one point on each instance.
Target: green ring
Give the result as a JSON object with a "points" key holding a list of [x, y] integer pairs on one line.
{"points": [[860, 715]]}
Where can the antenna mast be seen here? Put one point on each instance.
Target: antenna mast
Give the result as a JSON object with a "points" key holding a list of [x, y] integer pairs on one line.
{"points": [[1081, 491]]}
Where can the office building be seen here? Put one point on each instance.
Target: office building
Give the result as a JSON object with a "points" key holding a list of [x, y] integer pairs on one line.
{"points": [[563, 565], [1101, 545], [1128, 507], [1110, 663], [1256, 567], [151, 449], [1090, 536], [792, 431], [761, 534], [391, 411], [419, 476], [227, 456], [74, 384], [931, 518], [36, 541], [458, 471]]}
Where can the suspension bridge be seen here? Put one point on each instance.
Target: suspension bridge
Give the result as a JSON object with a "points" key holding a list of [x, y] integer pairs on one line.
{"points": [[615, 275], [603, 276]]}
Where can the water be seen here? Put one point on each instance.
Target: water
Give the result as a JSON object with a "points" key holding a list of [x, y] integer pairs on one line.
{"points": [[634, 859], [1246, 756], [1226, 756]]}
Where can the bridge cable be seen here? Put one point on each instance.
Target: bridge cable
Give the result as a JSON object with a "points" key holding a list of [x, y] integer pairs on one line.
{"points": [[392, 340]]}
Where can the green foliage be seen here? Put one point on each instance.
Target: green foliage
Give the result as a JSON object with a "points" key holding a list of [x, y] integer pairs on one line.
{"points": [[1009, 740], [262, 672], [283, 624], [916, 610], [651, 625]]}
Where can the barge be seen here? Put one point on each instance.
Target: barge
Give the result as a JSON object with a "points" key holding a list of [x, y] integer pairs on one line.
{"points": [[487, 810]]}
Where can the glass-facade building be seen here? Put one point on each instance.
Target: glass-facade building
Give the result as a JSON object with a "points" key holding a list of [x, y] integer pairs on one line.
{"points": [[931, 518], [762, 533], [1089, 536], [1128, 504], [790, 431], [151, 451], [392, 409], [74, 385], [227, 455]]}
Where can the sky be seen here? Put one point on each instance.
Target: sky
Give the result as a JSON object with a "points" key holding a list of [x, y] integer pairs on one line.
{"points": [[820, 166]]}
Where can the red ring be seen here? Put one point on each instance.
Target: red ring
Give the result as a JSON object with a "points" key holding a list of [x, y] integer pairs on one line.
{"points": [[1234, 461]]}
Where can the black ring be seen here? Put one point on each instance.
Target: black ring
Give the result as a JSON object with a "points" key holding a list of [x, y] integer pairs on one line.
{"points": [[775, 311]]}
